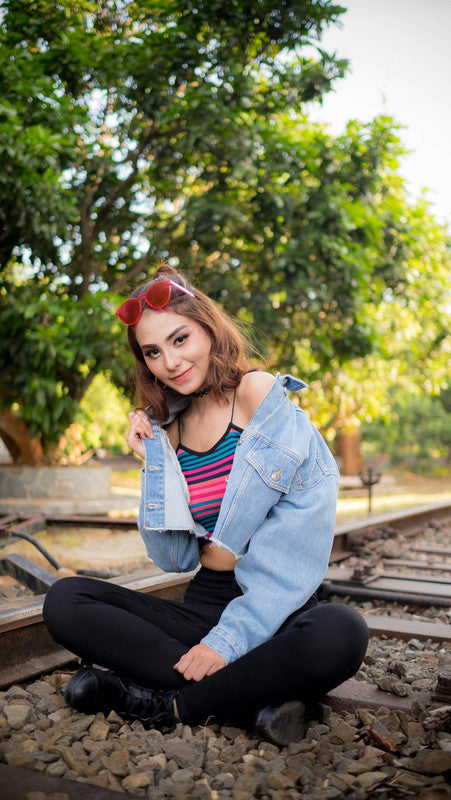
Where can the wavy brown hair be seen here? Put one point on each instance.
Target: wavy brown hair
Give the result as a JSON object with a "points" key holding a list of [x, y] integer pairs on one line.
{"points": [[230, 355]]}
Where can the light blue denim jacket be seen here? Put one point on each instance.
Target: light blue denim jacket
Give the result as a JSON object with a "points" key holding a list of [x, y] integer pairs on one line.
{"points": [[277, 516]]}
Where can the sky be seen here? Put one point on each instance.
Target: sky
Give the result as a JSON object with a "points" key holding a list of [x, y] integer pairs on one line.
{"points": [[400, 64]]}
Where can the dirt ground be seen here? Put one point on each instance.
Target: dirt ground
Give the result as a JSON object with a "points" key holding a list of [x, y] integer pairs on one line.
{"points": [[395, 492]]}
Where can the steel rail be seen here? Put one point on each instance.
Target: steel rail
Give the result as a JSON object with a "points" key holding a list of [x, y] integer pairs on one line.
{"points": [[27, 649], [412, 520]]}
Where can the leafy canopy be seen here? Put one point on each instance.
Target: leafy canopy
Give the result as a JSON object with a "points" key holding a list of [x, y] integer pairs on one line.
{"points": [[132, 131]]}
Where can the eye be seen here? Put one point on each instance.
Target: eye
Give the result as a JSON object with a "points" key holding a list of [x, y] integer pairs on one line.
{"points": [[181, 338], [152, 353]]}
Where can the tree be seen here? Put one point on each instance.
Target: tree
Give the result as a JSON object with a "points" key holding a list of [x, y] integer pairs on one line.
{"points": [[409, 363], [110, 111], [55, 344], [139, 130]]}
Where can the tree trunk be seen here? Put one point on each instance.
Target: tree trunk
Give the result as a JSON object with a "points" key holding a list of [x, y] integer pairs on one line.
{"points": [[348, 451], [23, 447]]}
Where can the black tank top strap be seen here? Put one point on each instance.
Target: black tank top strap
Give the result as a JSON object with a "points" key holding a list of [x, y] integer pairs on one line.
{"points": [[233, 405]]}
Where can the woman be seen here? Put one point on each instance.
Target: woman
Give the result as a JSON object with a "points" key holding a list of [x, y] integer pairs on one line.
{"points": [[249, 643]]}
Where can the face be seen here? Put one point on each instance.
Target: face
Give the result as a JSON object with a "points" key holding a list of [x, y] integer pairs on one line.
{"points": [[175, 348]]}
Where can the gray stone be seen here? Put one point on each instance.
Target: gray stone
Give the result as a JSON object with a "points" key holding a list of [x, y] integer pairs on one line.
{"points": [[15, 692], [40, 689], [99, 730], [18, 715], [185, 754], [437, 719], [251, 784], [224, 780], [432, 762], [391, 549], [17, 758], [138, 780], [369, 779], [415, 644], [390, 683], [117, 763], [50, 703], [342, 732], [277, 780], [57, 768]]}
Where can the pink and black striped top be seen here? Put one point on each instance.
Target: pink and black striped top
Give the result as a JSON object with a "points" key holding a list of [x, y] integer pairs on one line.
{"points": [[206, 474]]}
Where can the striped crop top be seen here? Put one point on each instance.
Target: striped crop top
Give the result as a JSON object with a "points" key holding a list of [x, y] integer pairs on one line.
{"points": [[206, 475]]}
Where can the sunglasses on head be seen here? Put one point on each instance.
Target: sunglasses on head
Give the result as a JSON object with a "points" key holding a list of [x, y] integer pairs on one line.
{"points": [[156, 296]]}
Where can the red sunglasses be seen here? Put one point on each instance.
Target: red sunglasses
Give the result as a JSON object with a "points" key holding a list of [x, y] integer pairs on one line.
{"points": [[156, 296]]}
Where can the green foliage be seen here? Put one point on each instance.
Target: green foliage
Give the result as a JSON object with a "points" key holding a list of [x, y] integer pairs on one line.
{"points": [[101, 418], [417, 433], [411, 346], [299, 227], [53, 345], [138, 130]]}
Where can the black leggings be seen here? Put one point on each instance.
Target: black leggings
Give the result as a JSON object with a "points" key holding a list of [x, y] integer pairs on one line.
{"points": [[141, 637]]}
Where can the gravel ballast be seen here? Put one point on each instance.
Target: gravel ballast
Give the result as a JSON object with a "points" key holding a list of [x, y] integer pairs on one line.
{"points": [[385, 754]]}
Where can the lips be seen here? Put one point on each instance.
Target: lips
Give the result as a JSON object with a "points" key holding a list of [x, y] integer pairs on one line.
{"points": [[183, 375]]}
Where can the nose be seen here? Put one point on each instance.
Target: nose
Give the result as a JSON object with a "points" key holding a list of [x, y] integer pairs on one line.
{"points": [[171, 361]]}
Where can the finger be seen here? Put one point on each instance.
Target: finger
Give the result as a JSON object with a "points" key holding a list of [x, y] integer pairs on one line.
{"points": [[140, 429], [140, 420], [195, 671], [198, 674], [183, 663], [214, 668], [184, 660], [186, 672], [138, 449]]}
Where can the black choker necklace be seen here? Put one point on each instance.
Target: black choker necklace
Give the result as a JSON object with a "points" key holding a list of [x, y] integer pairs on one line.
{"points": [[202, 393]]}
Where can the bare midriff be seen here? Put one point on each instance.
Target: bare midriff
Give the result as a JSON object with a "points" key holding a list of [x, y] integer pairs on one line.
{"points": [[217, 558]]}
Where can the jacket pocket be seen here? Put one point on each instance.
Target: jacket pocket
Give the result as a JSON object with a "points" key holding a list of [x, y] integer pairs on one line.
{"points": [[276, 467]]}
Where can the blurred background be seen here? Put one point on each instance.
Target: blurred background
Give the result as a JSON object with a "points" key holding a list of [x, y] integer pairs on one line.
{"points": [[289, 156]]}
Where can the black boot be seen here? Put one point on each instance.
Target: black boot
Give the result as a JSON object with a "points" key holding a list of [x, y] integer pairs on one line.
{"points": [[91, 690], [282, 724], [287, 723]]}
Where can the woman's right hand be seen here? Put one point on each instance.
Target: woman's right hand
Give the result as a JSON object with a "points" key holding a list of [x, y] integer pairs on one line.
{"points": [[140, 428]]}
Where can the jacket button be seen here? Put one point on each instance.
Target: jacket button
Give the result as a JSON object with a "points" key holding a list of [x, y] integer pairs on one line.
{"points": [[276, 475]]}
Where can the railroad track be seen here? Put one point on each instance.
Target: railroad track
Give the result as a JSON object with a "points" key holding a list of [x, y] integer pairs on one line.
{"points": [[26, 649], [387, 562]]}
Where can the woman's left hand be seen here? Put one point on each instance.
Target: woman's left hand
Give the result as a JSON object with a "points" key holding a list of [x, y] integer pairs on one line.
{"points": [[198, 662]]}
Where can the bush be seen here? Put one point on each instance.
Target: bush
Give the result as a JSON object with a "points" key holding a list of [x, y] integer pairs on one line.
{"points": [[416, 435], [101, 423]]}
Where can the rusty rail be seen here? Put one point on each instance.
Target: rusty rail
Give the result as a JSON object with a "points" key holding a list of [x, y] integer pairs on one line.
{"points": [[27, 650]]}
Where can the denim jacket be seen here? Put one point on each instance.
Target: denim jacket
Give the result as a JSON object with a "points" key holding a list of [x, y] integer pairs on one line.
{"points": [[277, 516]]}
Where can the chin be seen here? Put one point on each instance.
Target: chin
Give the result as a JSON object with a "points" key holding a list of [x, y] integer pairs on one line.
{"points": [[184, 392]]}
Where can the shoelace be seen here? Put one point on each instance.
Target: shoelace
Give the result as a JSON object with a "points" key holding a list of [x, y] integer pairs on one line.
{"points": [[152, 707]]}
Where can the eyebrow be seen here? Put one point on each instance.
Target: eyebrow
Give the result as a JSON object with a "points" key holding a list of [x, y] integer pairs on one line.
{"points": [[168, 338]]}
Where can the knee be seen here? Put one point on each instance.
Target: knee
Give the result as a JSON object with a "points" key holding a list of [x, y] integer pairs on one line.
{"points": [[349, 628], [58, 599], [340, 628]]}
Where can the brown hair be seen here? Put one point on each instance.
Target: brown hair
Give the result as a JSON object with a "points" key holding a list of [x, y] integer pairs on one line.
{"points": [[229, 358]]}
